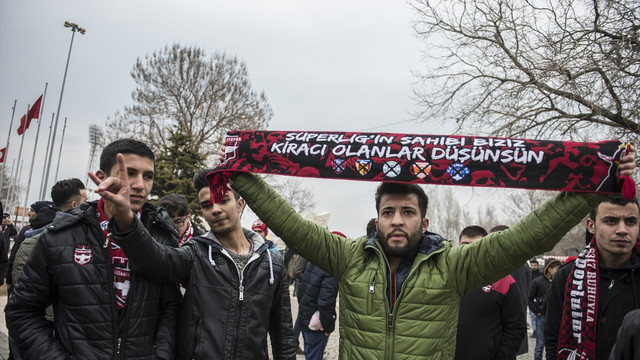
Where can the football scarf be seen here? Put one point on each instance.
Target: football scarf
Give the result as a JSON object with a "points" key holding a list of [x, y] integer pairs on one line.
{"points": [[577, 334], [425, 159]]}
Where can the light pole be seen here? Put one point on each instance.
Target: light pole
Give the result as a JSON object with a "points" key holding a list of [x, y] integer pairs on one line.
{"points": [[74, 27]]}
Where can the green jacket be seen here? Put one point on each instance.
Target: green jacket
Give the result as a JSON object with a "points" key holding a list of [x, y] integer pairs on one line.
{"points": [[424, 319]]}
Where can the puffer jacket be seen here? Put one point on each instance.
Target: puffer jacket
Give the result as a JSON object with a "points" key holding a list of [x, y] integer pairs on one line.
{"points": [[70, 268], [317, 292], [422, 323], [225, 314]]}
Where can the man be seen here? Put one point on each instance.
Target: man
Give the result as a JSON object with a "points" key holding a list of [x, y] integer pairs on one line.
{"points": [[4, 265], [537, 296], [492, 322], [535, 268], [17, 241], [591, 295], [400, 292], [261, 229], [103, 308], [8, 230], [236, 289], [178, 209], [67, 194], [317, 311]]}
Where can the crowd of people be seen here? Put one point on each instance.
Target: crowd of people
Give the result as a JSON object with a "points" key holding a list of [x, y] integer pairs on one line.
{"points": [[121, 278]]}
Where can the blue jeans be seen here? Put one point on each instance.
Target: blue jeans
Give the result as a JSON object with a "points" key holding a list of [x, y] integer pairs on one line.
{"points": [[537, 353], [532, 317], [314, 344]]}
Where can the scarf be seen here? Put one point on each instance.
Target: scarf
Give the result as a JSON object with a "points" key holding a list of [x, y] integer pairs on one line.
{"points": [[426, 159], [577, 335], [119, 261], [188, 233]]}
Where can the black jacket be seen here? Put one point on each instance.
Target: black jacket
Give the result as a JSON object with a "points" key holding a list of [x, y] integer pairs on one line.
{"points": [[492, 322], [224, 314], [539, 288], [614, 302], [71, 269], [317, 292]]}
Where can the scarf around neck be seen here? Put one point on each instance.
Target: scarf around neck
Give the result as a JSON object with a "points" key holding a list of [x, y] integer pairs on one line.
{"points": [[577, 334], [425, 159]]}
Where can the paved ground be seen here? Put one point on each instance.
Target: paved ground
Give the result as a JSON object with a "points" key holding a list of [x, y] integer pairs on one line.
{"points": [[331, 352]]}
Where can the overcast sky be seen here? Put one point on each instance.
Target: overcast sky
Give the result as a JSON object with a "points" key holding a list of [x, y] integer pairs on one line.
{"points": [[324, 65]]}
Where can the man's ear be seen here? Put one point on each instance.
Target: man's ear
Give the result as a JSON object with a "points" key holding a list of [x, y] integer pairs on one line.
{"points": [[101, 175], [241, 204], [591, 226], [425, 224]]}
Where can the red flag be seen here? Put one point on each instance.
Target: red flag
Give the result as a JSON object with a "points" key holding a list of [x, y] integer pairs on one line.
{"points": [[2, 153], [33, 113]]}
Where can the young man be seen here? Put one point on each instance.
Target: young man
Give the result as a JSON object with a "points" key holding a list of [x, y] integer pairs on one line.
{"points": [[103, 308], [400, 292], [178, 209], [590, 295], [236, 289], [261, 229], [537, 294], [492, 322]]}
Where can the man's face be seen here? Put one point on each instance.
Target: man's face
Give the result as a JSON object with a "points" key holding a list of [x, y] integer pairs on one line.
{"points": [[535, 266], [181, 223], [222, 217], [140, 172], [260, 232], [616, 230], [32, 214], [399, 224], [6, 221], [466, 240]]}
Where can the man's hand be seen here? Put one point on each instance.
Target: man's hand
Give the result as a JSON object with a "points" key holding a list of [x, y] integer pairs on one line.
{"points": [[222, 151], [115, 193], [627, 162]]}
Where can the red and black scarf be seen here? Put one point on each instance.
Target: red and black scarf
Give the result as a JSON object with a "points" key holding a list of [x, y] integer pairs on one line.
{"points": [[577, 335], [427, 159]]}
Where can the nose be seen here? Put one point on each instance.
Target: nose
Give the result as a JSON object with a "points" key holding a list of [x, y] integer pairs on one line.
{"points": [[622, 228], [216, 209], [397, 219]]}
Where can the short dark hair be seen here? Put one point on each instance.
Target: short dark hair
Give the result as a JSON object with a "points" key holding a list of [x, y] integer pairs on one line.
{"points": [[175, 204], [65, 190], [533, 261], [473, 231], [371, 227], [200, 182], [615, 200], [498, 228], [403, 188], [123, 146]]}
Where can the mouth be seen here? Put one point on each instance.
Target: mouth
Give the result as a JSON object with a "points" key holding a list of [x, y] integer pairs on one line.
{"points": [[397, 236]]}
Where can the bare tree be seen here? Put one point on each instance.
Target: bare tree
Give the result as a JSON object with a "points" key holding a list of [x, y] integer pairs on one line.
{"points": [[180, 90], [446, 216], [302, 199], [528, 68]]}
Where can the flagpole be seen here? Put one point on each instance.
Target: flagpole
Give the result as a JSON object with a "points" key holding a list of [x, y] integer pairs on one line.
{"points": [[74, 28], [35, 148], [60, 153], [15, 178], [6, 151], [13, 197], [13, 167], [46, 159]]}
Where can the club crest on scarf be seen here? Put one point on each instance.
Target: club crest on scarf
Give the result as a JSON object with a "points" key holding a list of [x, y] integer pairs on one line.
{"points": [[338, 165], [363, 166], [391, 169]]}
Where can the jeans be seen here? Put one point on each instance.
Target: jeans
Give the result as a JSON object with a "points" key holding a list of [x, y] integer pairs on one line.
{"points": [[314, 344], [537, 353], [532, 317]]}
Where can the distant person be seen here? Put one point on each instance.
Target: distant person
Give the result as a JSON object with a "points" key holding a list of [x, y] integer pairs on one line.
{"points": [[4, 264], [588, 310], [522, 276], [317, 295], [261, 229], [492, 322], [237, 290], [8, 230], [537, 296], [103, 308], [178, 209], [535, 268]]}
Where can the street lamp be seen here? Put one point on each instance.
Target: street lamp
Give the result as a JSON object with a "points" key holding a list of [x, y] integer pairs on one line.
{"points": [[74, 27]]}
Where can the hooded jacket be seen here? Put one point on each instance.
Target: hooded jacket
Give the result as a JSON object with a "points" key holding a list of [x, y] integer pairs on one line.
{"points": [[422, 323], [225, 314], [70, 268], [317, 292]]}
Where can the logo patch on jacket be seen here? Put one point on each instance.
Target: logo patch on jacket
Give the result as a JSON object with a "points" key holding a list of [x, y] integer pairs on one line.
{"points": [[82, 255]]}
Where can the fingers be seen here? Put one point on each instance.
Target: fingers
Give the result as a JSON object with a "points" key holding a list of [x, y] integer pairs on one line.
{"points": [[96, 180], [122, 169]]}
